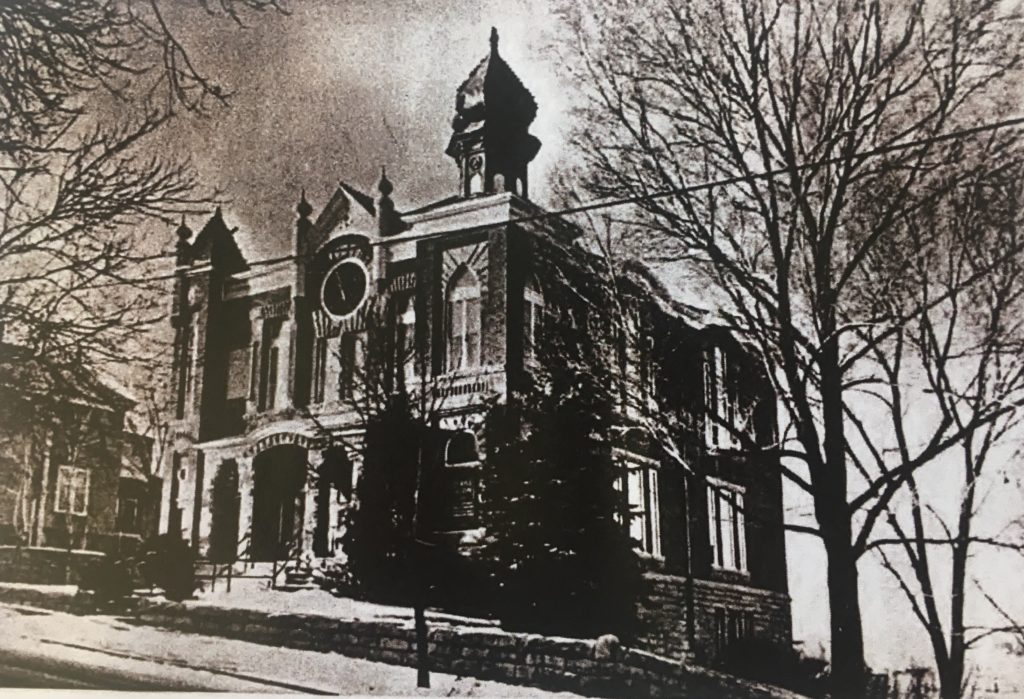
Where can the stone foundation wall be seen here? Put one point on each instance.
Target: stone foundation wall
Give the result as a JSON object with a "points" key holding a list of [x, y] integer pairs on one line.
{"points": [[600, 667], [664, 622], [595, 667], [43, 565]]}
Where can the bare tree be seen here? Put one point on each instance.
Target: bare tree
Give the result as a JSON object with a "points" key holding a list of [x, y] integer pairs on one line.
{"points": [[966, 346], [83, 87], [822, 124]]}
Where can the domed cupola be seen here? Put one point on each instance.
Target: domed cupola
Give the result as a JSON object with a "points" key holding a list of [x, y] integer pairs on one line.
{"points": [[491, 141]]}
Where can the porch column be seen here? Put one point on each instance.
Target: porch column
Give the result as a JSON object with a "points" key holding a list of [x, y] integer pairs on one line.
{"points": [[244, 504], [314, 460]]}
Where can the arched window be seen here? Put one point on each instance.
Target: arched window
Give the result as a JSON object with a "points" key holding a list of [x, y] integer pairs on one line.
{"points": [[463, 320], [462, 461], [533, 309], [461, 449]]}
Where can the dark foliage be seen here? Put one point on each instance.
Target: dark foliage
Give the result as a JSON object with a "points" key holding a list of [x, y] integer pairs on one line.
{"points": [[169, 563], [225, 502], [763, 661], [378, 537], [110, 579], [563, 562]]}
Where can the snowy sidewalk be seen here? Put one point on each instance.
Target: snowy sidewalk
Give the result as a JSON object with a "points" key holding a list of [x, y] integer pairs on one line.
{"points": [[255, 596], [63, 650], [317, 621]]}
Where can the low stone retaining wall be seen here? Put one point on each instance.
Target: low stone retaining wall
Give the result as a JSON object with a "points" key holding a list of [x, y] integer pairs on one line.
{"points": [[596, 667], [43, 565]]}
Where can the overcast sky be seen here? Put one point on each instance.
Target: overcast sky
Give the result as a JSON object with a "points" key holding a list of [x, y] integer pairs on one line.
{"points": [[337, 89]]}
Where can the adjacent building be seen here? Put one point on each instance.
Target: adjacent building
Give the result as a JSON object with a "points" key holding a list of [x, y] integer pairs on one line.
{"points": [[268, 356], [73, 477]]}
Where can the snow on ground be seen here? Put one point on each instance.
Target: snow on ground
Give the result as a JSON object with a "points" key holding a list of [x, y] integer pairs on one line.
{"points": [[190, 660], [254, 594]]}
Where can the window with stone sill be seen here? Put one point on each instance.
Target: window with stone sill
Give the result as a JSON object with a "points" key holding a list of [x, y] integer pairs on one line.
{"points": [[726, 416], [463, 321], [727, 526], [72, 490], [533, 316], [639, 481]]}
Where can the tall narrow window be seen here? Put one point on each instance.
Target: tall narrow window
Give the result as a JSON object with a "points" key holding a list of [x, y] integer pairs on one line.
{"points": [[272, 371], [640, 482], [462, 462], [721, 425], [351, 364], [463, 321], [254, 372], [319, 368], [727, 527], [533, 309], [269, 365], [406, 345]]}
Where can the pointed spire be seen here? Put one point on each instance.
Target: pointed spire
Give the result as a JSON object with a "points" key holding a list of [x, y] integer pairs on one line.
{"points": [[182, 248], [494, 40], [304, 208]]}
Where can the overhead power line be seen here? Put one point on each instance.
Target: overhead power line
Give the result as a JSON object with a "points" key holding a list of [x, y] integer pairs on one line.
{"points": [[676, 191]]}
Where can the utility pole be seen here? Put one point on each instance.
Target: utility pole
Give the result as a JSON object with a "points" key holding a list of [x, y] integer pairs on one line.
{"points": [[418, 552]]}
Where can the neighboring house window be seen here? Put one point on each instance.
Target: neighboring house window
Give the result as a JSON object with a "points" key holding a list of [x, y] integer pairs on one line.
{"points": [[462, 462], [640, 482], [407, 337], [533, 309], [727, 527], [720, 401], [128, 515], [463, 321], [72, 490]]}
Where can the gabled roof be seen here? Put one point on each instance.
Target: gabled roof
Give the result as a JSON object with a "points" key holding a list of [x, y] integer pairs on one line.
{"points": [[347, 206], [216, 242], [41, 379]]}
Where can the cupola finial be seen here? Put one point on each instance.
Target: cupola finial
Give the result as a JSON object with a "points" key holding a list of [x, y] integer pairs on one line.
{"points": [[494, 40], [303, 208], [384, 186]]}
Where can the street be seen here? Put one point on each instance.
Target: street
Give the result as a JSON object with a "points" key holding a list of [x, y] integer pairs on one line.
{"points": [[43, 649]]}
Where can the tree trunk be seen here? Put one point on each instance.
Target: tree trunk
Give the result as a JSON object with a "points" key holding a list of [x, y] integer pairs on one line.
{"points": [[848, 670], [833, 514]]}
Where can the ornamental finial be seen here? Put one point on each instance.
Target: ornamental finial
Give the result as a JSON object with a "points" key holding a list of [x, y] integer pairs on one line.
{"points": [[384, 186], [304, 208], [494, 40]]}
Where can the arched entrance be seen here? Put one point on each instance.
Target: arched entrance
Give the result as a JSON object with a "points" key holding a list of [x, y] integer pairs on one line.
{"points": [[279, 478]]}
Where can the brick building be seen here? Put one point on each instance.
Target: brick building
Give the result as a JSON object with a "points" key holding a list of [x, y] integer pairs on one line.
{"points": [[267, 359]]}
